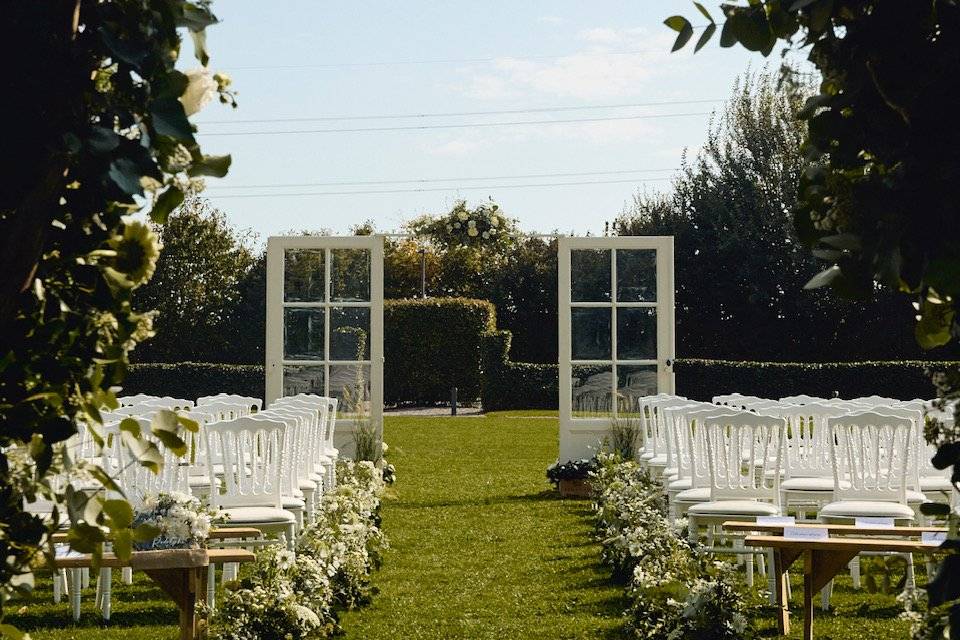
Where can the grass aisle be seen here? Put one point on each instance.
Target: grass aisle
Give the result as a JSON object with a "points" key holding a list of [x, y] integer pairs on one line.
{"points": [[481, 548]]}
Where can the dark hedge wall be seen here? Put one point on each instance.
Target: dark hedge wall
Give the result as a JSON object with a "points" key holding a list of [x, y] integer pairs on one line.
{"points": [[191, 380], [431, 345]]}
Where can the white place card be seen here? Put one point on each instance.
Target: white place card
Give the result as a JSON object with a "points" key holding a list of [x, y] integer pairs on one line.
{"points": [[785, 520], [933, 537], [871, 522], [64, 551], [806, 533]]}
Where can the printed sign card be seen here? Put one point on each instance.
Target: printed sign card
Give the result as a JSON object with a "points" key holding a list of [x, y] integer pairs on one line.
{"points": [[785, 520], [806, 533], [933, 537], [870, 522]]}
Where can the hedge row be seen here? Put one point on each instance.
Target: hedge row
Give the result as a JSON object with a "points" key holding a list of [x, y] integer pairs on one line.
{"points": [[515, 385], [194, 379], [904, 379], [431, 345]]}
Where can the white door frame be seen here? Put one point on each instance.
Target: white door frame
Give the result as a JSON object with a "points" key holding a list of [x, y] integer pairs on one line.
{"points": [[579, 437], [276, 248]]}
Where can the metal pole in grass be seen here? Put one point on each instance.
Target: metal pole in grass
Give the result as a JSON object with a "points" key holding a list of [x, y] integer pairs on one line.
{"points": [[423, 272], [453, 401]]}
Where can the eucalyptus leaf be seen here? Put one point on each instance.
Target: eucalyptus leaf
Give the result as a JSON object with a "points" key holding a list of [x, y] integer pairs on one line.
{"points": [[214, 166], [165, 203], [120, 512], [824, 278]]}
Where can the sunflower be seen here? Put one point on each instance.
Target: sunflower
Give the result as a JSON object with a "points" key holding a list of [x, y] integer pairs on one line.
{"points": [[137, 252]]}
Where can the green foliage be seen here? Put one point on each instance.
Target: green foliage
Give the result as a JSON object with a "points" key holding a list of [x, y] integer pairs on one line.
{"points": [[198, 289], [514, 385], [431, 345], [194, 379], [99, 129], [905, 379], [730, 208]]}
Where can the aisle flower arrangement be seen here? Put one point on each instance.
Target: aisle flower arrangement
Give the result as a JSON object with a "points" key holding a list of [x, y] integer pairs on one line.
{"points": [[181, 520], [676, 590], [296, 595]]}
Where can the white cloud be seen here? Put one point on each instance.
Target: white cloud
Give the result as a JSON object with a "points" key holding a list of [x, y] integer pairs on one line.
{"points": [[615, 63]]}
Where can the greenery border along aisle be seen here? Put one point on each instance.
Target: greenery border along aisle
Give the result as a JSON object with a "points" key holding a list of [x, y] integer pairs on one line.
{"points": [[675, 589], [293, 596]]}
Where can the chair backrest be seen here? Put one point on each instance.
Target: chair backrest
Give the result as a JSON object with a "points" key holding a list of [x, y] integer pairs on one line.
{"points": [[800, 399], [253, 404], [807, 443], [225, 410], [137, 398], [301, 424], [693, 439], [871, 456], [168, 402], [251, 450], [744, 450], [660, 424], [316, 438], [761, 405], [725, 398], [138, 481], [679, 430]]}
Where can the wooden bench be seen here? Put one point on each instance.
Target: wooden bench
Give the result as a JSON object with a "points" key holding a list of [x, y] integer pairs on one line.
{"points": [[822, 559], [180, 573]]}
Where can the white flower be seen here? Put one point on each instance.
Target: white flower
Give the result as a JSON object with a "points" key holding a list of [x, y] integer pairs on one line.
{"points": [[485, 234], [472, 223], [494, 221], [285, 560], [200, 90], [456, 225], [472, 232], [462, 216], [449, 227], [493, 232]]}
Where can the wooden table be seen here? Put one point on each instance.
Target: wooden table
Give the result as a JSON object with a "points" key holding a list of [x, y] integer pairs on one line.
{"points": [[839, 529], [822, 560], [181, 573]]}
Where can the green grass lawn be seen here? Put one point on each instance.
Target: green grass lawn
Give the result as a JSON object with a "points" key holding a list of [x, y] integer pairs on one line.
{"points": [[481, 548]]}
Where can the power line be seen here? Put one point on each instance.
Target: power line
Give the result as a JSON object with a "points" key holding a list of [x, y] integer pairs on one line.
{"points": [[429, 189], [430, 180], [453, 126], [450, 114]]}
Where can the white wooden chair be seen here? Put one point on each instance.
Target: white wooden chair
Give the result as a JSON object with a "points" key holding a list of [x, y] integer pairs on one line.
{"points": [[744, 453], [251, 451], [136, 398], [253, 404]]}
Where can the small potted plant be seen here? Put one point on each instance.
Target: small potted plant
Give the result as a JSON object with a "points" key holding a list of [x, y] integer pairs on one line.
{"points": [[572, 477]]}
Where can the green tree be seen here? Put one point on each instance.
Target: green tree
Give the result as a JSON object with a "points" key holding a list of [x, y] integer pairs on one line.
{"points": [[97, 120], [730, 210], [198, 288]]}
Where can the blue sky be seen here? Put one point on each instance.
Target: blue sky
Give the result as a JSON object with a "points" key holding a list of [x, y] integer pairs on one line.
{"points": [[308, 59]]}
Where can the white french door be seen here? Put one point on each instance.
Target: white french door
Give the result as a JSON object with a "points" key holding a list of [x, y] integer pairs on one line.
{"points": [[325, 321], [616, 332]]}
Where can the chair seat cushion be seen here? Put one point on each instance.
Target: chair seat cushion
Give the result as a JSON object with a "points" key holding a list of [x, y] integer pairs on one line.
{"points": [[914, 497], [734, 508], [821, 484], [198, 481], [307, 485], [646, 455], [935, 483], [680, 485], [659, 460], [866, 508], [258, 515], [700, 494], [289, 502]]}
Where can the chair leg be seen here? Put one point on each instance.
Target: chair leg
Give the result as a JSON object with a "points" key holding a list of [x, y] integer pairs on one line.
{"points": [[854, 566], [762, 564], [911, 578], [772, 578], [127, 575], [693, 530], [105, 579], [75, 593], [211, 586], [57, 586], [85, 578], [825, 594]]}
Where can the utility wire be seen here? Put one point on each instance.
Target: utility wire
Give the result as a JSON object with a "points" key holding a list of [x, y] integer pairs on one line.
{"points": [[429, 189], [430, 180], [453, 126], [450, 114]]}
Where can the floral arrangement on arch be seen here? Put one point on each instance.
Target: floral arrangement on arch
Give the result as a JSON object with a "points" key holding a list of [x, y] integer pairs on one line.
{"points": [[484, 225], [183, 521]]}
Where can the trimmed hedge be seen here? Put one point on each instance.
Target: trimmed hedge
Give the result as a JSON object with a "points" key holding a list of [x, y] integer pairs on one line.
{"points": [[431, 345], [191, 380], [904, 379], [515, 385]]}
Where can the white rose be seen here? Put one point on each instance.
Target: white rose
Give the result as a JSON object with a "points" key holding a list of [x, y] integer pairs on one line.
{"points": [[485, 234], [494, 221], [463, 216], [449, 227], [456, 225], [493, 232], [472, 223], [472, 232], [200, 90]]}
